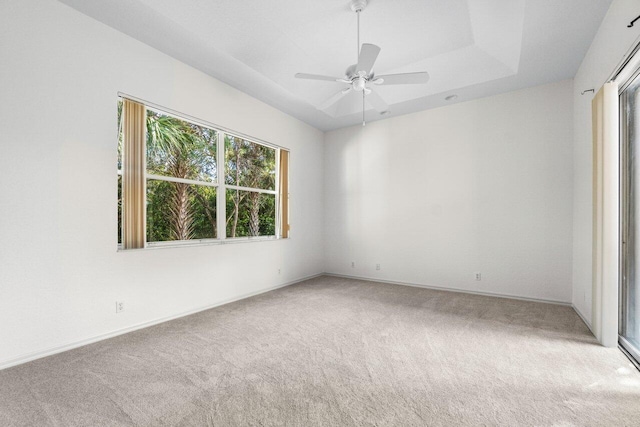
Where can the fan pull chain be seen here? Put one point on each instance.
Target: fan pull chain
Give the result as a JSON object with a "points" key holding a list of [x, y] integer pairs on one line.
{"points": [[363, 123], [358, 59]]}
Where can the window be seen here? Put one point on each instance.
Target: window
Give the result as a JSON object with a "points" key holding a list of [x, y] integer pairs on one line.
{"points": [[181, 181], [251, 188]]}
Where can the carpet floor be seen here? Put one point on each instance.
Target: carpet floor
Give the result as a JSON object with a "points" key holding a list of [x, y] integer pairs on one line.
{"points": [[337, 352]]}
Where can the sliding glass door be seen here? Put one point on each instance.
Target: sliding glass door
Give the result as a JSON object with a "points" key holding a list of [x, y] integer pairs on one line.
{"points": [[629, 299]]}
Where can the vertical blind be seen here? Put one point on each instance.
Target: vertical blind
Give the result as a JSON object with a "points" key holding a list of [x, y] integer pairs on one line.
{"points": [[133, 177]]}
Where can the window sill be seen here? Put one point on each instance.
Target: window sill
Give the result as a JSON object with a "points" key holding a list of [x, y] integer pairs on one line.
{"points": [[203, 242]]}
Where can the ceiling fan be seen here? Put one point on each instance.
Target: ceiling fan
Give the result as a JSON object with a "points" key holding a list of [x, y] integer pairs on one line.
{"points": [[360, 76]]}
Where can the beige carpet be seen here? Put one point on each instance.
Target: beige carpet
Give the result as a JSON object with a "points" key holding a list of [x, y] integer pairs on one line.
{"points": [[337, 352]]}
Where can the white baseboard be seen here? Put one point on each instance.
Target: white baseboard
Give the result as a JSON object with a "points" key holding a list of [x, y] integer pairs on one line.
{"points": [[70, 346], [583, 317], [462, 291]]}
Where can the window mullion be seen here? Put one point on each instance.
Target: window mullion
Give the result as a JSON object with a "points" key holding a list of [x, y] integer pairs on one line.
{"points": [[250, 189], [221, 199], [181, 180]]}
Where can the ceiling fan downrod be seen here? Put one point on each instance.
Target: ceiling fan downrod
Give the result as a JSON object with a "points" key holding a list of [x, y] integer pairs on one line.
{"points": [[358, 6], [360, 83]]}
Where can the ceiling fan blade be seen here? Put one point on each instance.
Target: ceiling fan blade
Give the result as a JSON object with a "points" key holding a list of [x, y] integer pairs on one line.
{"points": [[368, 55], [317, 77], [377, 102], [402, 79], [335, 98]]}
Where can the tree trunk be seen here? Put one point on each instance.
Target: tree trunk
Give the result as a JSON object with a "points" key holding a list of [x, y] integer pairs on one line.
{"points": [[181, 213], [181, 218], [234, 225], [254, 214], [236, 201]]}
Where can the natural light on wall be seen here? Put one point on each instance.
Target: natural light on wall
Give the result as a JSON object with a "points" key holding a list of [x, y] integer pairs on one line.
{"points": [[183, 181]]}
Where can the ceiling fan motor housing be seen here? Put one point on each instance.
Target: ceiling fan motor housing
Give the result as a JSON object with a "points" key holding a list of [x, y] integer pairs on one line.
{"points": [[358, 5]]}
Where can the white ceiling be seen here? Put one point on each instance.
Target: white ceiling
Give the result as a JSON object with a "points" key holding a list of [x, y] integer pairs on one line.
{"points": [[472, 48]]}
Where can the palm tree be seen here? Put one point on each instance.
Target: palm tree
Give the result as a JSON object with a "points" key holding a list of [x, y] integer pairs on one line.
{"points": [[178, 149]]}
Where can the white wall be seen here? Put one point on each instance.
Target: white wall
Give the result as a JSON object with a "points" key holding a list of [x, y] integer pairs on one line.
{"points": [[612, 41], [482, 186], [60, 273]]}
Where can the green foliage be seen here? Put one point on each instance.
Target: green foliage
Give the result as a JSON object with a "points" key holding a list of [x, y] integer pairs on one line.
{"points": [[158, 222], [266, 214], [249, 164], [180, 149]]}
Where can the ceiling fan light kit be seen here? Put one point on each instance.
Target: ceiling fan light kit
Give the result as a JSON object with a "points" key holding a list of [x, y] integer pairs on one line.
{"points": [[360, 75]]}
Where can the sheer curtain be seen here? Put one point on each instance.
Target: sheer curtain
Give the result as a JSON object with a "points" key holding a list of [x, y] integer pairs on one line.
{"points": [[605, 214]]}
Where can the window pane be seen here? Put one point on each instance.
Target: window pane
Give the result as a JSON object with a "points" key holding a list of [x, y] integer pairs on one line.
{"points": [[249, 164], [250, 214], [177, 211], [119, 171], [119, 209], [180, 149], [120, 136]]}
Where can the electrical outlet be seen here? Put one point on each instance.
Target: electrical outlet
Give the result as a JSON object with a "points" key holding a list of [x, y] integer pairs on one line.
{"points": [[119, 306], [353, 264], [377, 266], [278, 271], [478, 276]]}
